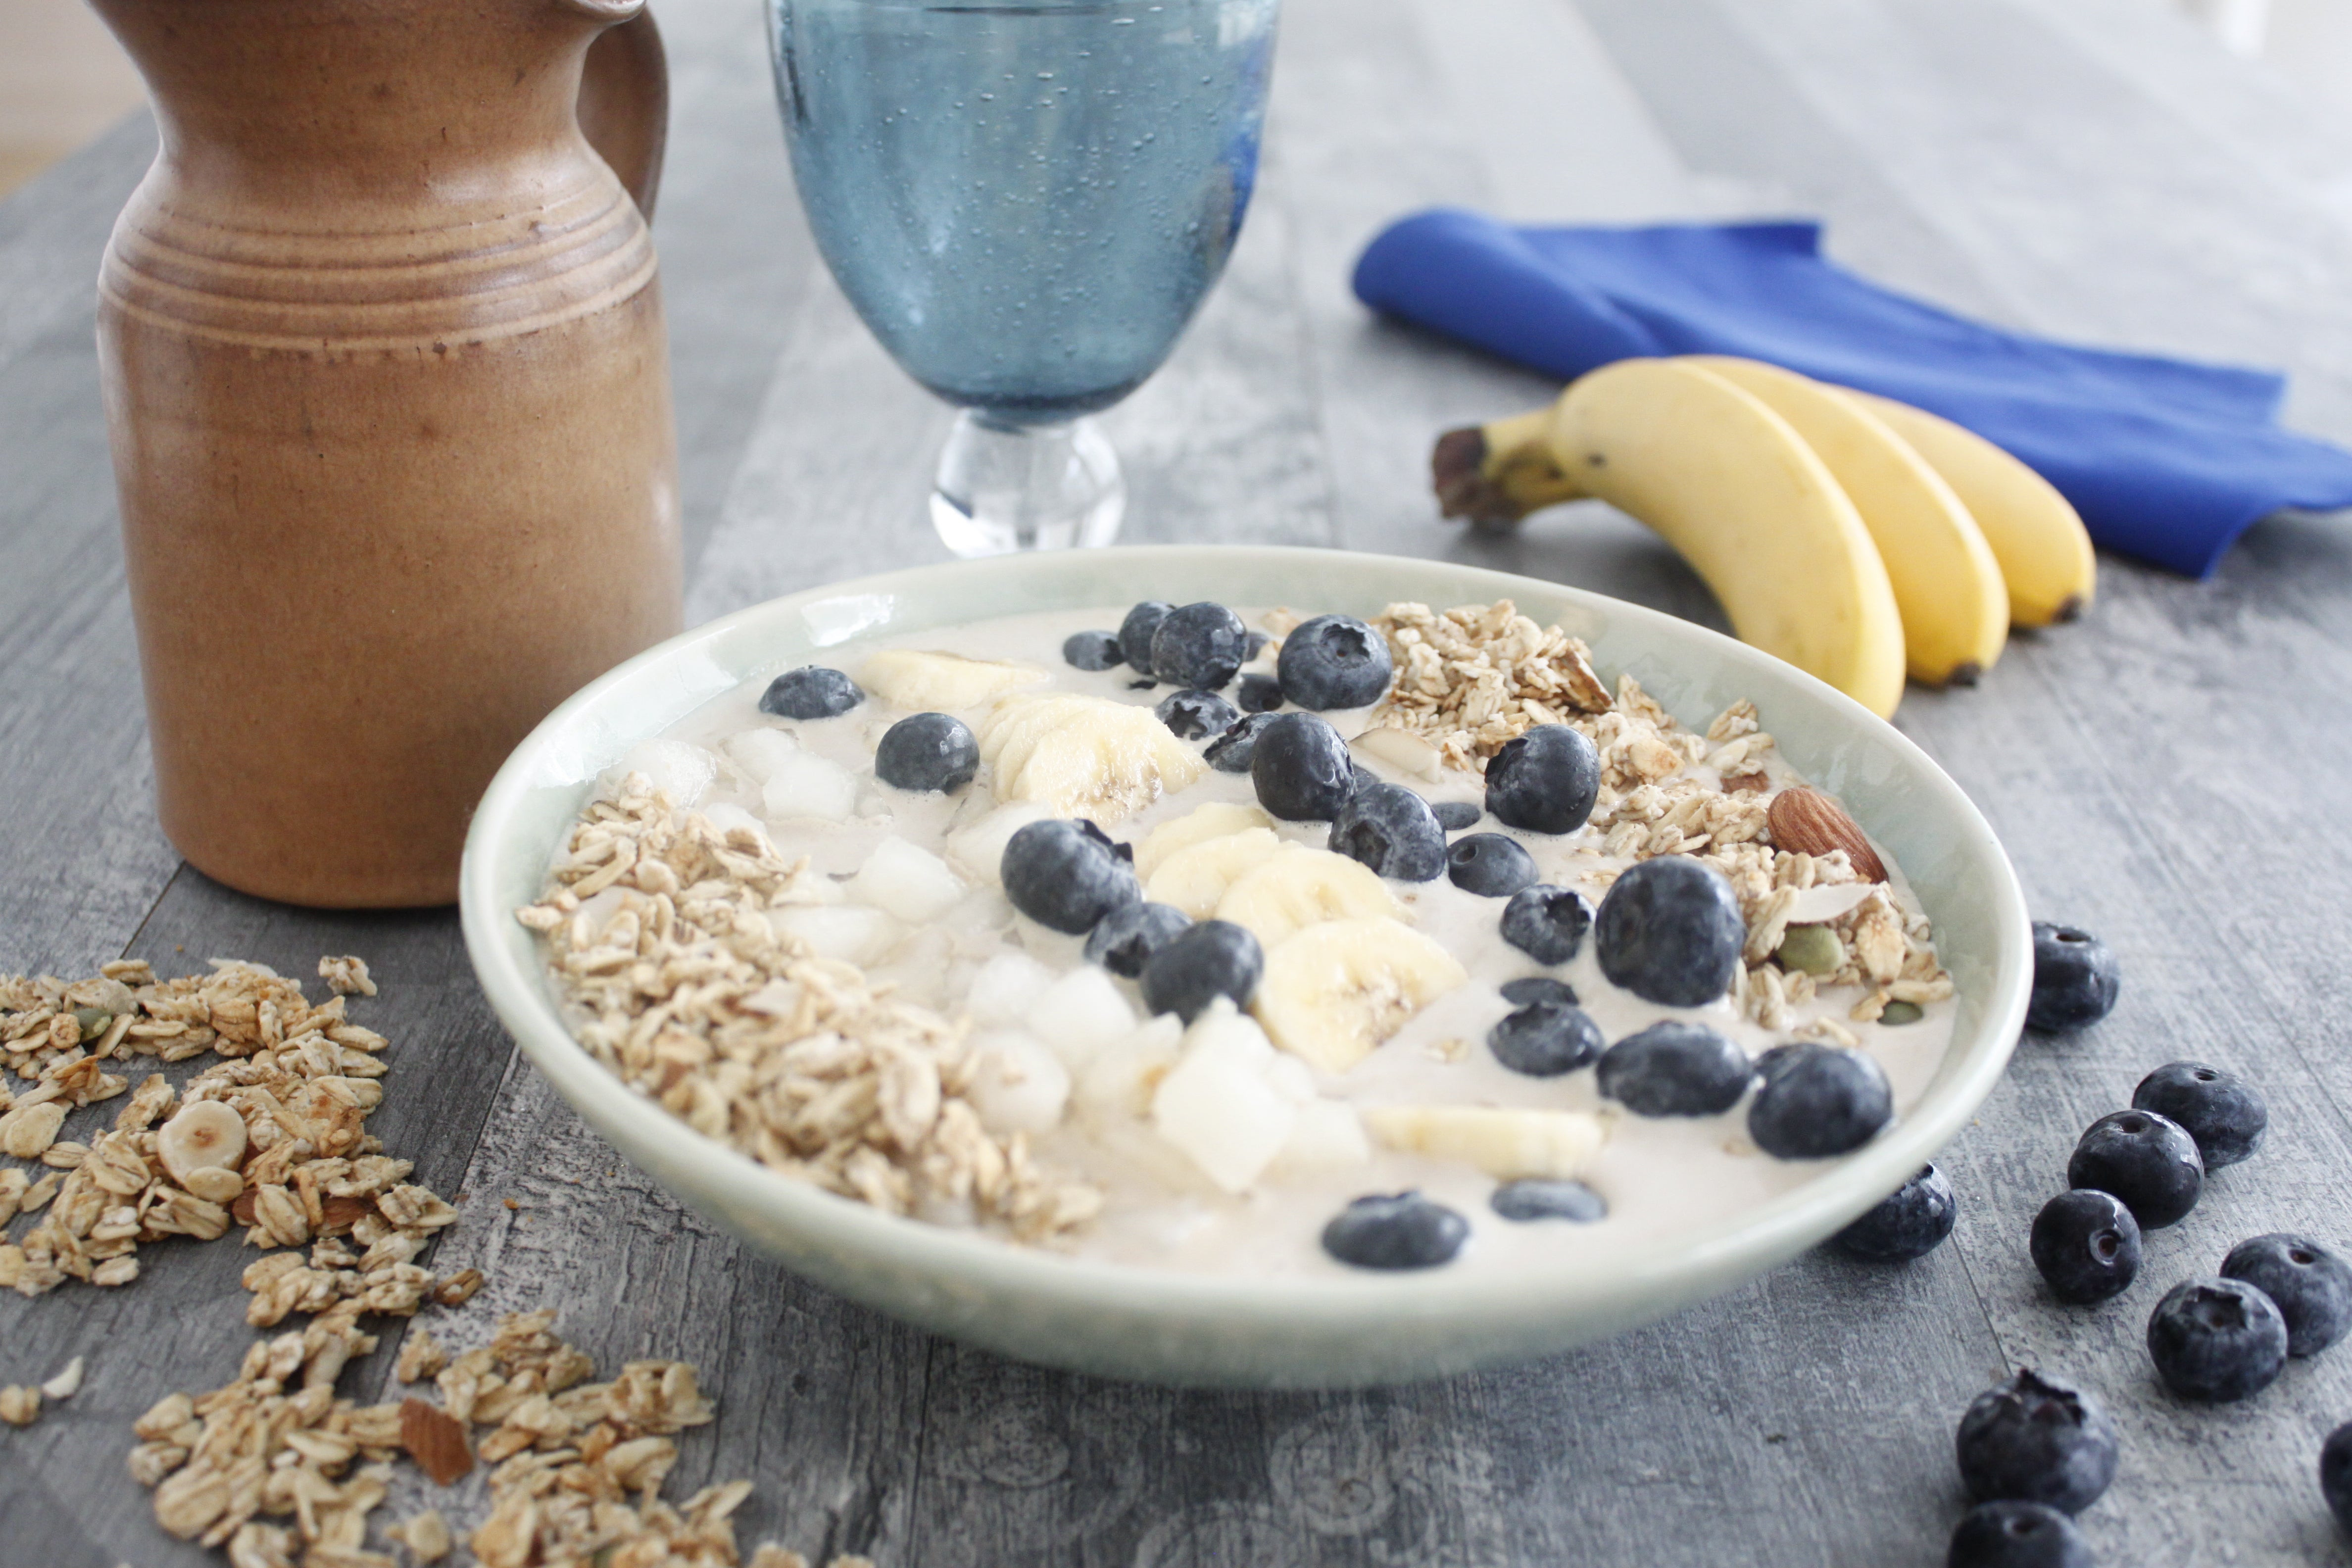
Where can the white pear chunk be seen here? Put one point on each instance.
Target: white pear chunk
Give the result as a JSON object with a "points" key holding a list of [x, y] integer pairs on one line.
{"points": [[1017, 1084], [907, 882], [1216, 1105], [1079, 1013]]}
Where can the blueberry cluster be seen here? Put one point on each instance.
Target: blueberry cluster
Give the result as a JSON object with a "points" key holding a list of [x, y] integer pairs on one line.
{"points": [[1332, 661], [2034, 1450]]}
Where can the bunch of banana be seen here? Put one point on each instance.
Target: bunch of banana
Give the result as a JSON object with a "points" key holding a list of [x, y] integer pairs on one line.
{"points": [[1860, 538]]}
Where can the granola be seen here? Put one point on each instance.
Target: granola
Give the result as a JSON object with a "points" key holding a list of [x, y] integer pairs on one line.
{"points": [[656, 926], [301, 1081]]}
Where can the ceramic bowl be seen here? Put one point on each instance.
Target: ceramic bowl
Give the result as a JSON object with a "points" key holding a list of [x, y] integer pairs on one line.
{"points": [[1168, 1327]]}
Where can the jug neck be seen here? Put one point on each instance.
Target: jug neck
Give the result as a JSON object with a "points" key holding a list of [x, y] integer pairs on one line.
{"points": [[332, 113]]}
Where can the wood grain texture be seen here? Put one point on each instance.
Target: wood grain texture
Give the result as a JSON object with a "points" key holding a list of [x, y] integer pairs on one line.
{"points": [[2162, 773]]}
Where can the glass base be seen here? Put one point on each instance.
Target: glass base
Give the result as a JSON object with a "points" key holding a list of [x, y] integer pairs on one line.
{"points": [[1002, 488]]}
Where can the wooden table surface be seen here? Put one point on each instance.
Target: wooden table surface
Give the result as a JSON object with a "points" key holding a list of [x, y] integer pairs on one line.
{"points": [[2161, 773]]}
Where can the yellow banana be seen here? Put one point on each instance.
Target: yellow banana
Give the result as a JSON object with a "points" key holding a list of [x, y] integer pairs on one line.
{"points": [[2034, 532], [1947, 584], [1500, 471], [1735, 489]]}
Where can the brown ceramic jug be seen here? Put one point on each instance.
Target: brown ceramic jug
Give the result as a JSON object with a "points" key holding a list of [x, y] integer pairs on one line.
{"points": [[389, 397]]}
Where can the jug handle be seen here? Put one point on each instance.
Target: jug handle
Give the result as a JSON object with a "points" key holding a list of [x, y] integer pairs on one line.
{"points": [[625, 102]]}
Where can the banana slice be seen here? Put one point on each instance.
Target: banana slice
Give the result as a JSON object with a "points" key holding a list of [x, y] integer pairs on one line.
{"points": [[1335, 991], [1216, 820], [1195, 879], [1507, 1144], [2044, 549], [1298, 887], [941, 682], [1084, 756], [1947, 584]]}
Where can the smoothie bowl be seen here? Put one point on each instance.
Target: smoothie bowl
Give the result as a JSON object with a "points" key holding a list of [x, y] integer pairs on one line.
{"points": [[1361, 969]]}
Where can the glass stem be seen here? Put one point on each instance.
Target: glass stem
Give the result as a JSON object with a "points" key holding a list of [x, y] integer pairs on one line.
{"points": [[1004, 486]]}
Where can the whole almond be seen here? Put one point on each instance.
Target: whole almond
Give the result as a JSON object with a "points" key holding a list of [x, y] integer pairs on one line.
{"points": [[1807, 822], [435, 1439]]}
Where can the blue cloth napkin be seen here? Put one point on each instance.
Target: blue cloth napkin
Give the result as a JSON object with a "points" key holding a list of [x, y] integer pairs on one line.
{"points": [[2165, 460]]}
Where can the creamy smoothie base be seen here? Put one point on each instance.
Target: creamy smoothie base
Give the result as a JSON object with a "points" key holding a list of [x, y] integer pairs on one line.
{"points": [[1062, 1073]]}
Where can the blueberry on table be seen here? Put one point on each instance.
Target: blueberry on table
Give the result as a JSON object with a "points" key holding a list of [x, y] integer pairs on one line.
{"points": [[1454, 815], [1200, 646], [1123, 940], [1201, 963], [1192, 713], [1546, 922], [1538, 988], [2223, 1111], [1334, 661], [1301, 769], [1548, 1197], [1066, 875], [2147, 1160], [2336, 1474], [1490, 865], [2012, 1535], [2217, 1339], [1259, 694], [2074, 979], [812, 691], [2033, 1438], [1092, 651], [2309, 1283], [1674, 1069], [1544, 780], [1135, 634], [1910, 1222], [1815, 1101], [1230, 752], [2087, 1245], [1403, 1230], [1670, 931], [1390, 828], [1545, 1039], [931, 752]]}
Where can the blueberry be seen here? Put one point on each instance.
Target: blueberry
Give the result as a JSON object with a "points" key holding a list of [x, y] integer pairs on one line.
{"points": [[1490, 865], [2223, 1111], [1302, 769], [1454, 815], [1135, 634], [2017, 1535], [1254, 647], [812, 691], [1123, 939], [927, 752], [1545, 1039], [1145, 684], [1362, 779], [2147, 1160], [2217, 1339], [1092, 651], [1390, 828], [1815, 1101], [1200, 645], [2310, 1286], [1674, 1069], [2033, 1438], [1201, 963], [1910, 1222], [1547, 923], [1538, 988], [1402, 1231], [1192, 713], [1259, 694], [2074, 979], [1545, 1198], [2336, 1474], [1066, 875], [1230, 752], [1334, 661], [2087, 1245], [1670, 931], [1544, 781]]}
